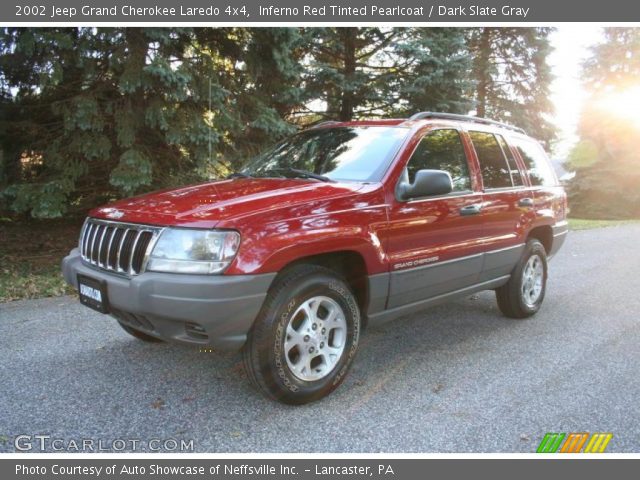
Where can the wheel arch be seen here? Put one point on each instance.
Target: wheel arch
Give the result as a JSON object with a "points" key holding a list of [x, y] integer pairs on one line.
{"points": [[349, 264], [544, 234]]}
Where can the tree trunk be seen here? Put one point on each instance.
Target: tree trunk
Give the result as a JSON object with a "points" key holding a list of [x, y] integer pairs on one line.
{"points": [[348, 95], [482, 71]]}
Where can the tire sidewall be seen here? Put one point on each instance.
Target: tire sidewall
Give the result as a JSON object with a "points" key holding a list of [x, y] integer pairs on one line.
{"points": [[533, 247], [278, 371]]}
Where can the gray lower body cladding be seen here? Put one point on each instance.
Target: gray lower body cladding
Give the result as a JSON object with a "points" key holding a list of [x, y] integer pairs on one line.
{"points": [[429, 281], [415, 289]]}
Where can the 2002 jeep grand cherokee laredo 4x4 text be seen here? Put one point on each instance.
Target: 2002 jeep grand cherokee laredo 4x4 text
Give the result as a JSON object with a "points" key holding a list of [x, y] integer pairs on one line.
{"points": [[342, 225]]}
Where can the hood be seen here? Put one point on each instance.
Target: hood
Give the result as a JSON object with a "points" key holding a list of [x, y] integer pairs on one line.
{"points": [[207, 204]]}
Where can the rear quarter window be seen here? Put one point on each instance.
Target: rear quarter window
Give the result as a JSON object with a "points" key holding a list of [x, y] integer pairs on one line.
{"points": [[536, 162]]}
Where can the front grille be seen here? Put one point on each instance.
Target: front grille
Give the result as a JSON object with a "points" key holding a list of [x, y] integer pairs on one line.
{"points": [[117, 247]]}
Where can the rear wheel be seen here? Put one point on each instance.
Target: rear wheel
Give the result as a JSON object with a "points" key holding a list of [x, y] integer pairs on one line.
{"points": [[523, 294], [138, 334], [306, 337]]}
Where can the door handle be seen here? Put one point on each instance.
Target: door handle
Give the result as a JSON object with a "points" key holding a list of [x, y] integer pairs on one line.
{"points": [[471, 209], [525, 202]]}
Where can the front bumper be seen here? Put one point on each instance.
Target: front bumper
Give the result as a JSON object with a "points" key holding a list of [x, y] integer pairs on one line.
{"points": [[211, 310]]}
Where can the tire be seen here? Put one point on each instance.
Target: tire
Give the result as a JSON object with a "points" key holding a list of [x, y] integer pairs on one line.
{"points": [[522, 295], [288, 358], [138, 334]]}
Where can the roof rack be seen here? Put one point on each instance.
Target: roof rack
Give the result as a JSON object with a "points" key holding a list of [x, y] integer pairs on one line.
{"points": [[463, 118]]}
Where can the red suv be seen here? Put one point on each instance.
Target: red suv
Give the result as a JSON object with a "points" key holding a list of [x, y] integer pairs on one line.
{"points": [[340, 226]]}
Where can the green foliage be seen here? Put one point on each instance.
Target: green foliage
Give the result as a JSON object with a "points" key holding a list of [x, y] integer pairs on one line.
{"points": [[584, 154], [434, 72], [372, 71], [90, 114], [133, 170], [44, 200]]}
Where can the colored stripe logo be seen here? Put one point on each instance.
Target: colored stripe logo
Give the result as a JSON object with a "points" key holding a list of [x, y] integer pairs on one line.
{"points": [[550, 443], [598, 443], [574, 442]]}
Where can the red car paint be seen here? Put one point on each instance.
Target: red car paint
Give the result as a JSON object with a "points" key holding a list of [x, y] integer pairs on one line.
{"points": [[283, 220]]}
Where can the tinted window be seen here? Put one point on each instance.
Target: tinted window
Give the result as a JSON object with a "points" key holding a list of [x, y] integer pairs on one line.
{"points": [[493, 165], [341, 153], [538, 166], [516, 178], [442, 150]]}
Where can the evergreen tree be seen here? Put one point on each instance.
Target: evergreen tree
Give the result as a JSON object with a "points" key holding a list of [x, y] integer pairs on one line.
{"points": [[433, 72], [362, 72], [114, 111], [268, 91], [98, 106], [512, 77], [349, 68], [92, 114]]}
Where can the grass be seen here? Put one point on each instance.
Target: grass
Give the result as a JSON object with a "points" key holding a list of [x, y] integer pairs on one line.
{"points": [[587, 224], [30, 255]]}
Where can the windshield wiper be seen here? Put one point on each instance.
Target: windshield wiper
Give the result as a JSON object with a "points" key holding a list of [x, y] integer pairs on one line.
{"points": [[303, 174]]}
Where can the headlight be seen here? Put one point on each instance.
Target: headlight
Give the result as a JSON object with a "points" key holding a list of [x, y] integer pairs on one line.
{"points": [[182, 250]]}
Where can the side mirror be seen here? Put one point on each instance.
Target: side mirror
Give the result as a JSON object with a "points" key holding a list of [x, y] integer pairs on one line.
{"points": [[426, 183]]}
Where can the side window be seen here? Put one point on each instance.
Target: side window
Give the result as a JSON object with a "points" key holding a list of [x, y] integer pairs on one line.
{"points": [[538, 166], [442, 150], [493, 165], [516, 177]]}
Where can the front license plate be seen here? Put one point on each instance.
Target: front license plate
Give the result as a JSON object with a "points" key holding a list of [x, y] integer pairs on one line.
{"points": [[93, 293]]}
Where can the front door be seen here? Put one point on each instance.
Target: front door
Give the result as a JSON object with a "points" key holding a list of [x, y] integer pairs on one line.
{"points": [[434, 243]]}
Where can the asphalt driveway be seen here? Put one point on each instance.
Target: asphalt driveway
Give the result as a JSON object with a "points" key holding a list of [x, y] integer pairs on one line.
{"points": [[457, 378]]}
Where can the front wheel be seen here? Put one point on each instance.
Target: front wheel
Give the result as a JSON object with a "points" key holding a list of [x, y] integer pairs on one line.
{"points": [[306, 336], [523, 294]]}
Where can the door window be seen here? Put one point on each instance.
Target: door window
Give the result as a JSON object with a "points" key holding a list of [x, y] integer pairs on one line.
{"points": [[442, 150]]}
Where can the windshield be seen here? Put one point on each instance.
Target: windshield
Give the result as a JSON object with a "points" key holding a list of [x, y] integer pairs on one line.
{"points": [[341, 153]]}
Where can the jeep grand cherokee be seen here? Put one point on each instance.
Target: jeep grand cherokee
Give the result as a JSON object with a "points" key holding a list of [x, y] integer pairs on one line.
{"points": [[340, 226]]}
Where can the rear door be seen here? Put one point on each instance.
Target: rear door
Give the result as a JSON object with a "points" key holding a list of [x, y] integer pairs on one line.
{"points": [[507, 204], [549, 197], [434, 243]]}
